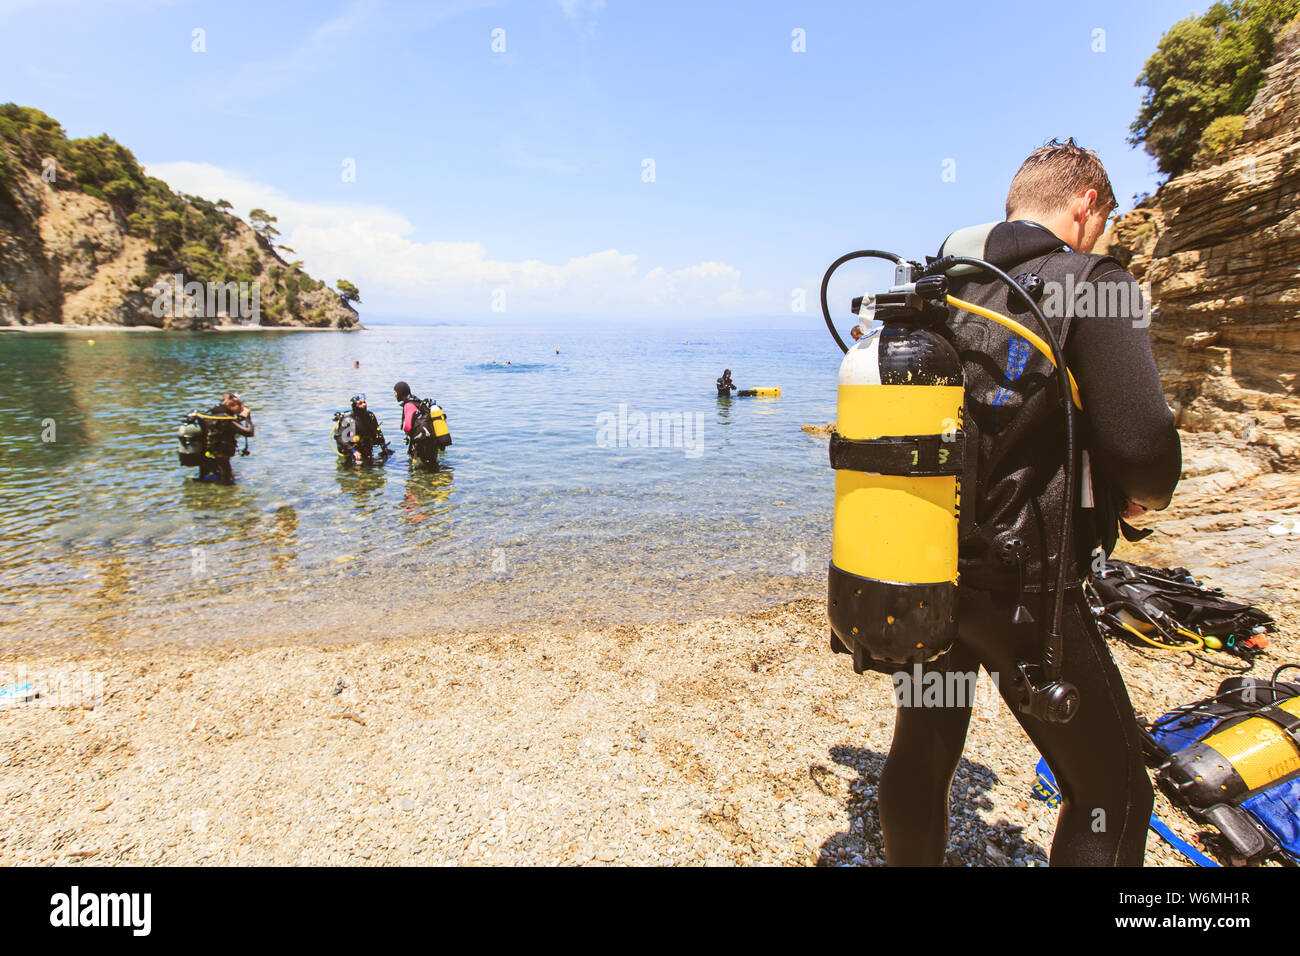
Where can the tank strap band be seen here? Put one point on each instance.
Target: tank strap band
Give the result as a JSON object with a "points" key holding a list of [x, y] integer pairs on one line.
{"points": [[919, 456], [1289, 723]]}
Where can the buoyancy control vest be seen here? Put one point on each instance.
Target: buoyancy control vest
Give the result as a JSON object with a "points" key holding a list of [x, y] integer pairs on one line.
{"points": [[220, 440], [1014, 466]]}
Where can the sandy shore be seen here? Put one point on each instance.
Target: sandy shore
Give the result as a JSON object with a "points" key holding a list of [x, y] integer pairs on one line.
{"points": [[731, 740]]}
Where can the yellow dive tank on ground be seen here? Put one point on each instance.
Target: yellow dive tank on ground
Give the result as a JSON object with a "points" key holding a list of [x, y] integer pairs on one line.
{"points": [[898, 454]]}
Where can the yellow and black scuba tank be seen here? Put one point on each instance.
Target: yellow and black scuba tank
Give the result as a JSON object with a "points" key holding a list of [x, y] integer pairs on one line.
{"points": [[773, 391], [1234, 760], [897, 454], [438, 425], [429, 432], [898, 451]]}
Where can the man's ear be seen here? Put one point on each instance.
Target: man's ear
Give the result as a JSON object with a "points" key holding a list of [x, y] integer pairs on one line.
{"points": [[1089, 197]]}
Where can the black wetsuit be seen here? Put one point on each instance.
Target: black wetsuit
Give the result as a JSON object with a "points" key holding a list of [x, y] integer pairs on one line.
{"points": [[221, 433], [367, 432], [725, 386], [419, 438], [1135, 456]]}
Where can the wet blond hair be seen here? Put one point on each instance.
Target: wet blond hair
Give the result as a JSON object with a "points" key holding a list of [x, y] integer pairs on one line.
{"points": [[1054, 174]]}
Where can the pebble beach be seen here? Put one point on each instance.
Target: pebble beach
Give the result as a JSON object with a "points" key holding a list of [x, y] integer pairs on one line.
{"points": [[729, 740]]}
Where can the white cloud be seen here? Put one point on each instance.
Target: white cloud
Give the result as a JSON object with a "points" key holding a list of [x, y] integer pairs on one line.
{"points": [[373, 247]]}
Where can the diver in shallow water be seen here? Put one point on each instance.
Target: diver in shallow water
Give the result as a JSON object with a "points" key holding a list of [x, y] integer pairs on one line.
{"points": [[223, 424], [725, 385], [358, 433], [425, 425]]}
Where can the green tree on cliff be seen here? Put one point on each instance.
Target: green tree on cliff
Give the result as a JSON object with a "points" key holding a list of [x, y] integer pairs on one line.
{"points": [[262, 221], [1205, 68], [348, 292]]}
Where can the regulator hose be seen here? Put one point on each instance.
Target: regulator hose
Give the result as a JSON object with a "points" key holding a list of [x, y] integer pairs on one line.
{"points": [[826, 281]]}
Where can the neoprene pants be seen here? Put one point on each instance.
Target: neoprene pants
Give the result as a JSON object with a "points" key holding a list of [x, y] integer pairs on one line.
{"points": [[219, 467], [1096, 757]]}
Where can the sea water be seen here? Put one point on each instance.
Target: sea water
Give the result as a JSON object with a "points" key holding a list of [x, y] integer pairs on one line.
{"points": [[595, 477]]}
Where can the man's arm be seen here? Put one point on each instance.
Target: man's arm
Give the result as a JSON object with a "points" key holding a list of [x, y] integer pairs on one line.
{"points": [[1133, 439]]}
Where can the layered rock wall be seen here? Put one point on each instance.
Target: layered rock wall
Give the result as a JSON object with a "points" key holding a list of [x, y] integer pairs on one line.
{"points": [[1220, 249]]}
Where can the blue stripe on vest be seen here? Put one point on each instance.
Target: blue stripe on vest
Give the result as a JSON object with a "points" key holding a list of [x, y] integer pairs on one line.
{"points": [[1017, 358]]}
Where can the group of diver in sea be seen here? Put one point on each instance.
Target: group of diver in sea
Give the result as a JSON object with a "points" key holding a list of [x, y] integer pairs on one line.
{"points": [[209, 440]]}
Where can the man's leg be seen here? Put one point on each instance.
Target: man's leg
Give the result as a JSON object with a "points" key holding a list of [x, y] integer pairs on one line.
{"points": [[914, 785], [1096, 757]]}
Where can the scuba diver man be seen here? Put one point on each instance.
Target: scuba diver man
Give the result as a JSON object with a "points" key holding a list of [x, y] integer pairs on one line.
{"points": [[1056, 210], [223, 424], [725, 385], [366, 433]]}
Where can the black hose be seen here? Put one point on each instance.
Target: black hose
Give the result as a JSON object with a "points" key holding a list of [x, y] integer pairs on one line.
{"points": [[826, 281], [1052, 647]]}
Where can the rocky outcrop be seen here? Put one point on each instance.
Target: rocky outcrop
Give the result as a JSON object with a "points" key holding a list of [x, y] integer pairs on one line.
{"points": [[1219, 247], [71, 258]]}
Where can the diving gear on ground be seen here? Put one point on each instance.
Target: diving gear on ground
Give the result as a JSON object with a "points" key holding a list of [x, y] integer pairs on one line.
{"points": [[899, 452], [1168, 609], [1234, 760]]}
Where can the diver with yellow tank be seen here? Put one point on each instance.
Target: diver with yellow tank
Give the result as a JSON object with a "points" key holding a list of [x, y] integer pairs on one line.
{"points": [[425, 425], [976, 479]]}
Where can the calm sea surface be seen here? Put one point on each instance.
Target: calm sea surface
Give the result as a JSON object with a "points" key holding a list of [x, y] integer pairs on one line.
{"points": [[552, 507]]}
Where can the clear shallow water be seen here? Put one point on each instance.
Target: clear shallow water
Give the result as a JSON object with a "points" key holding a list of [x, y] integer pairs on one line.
{"points": [[546, 510]]}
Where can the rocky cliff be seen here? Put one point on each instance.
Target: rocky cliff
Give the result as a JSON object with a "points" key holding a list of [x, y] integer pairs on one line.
{"points": [[1220, 248], [86, 238]]}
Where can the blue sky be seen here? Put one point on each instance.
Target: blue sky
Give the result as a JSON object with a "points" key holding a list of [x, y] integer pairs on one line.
{"points": [[516, 178]]}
